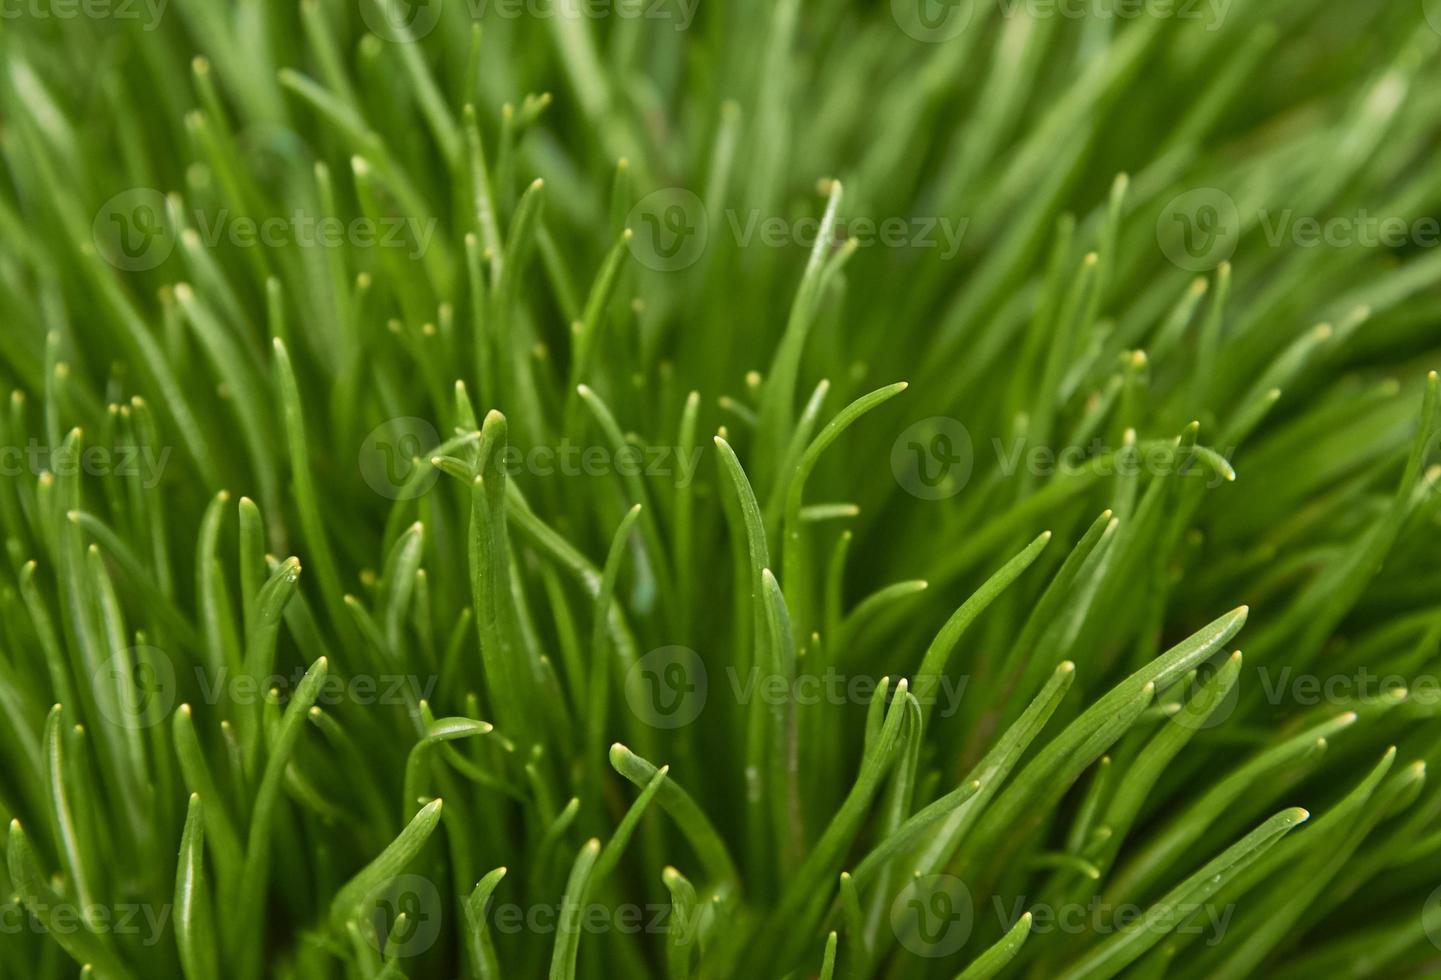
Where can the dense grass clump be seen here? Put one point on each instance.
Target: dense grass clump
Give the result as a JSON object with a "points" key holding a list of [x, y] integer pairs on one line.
{"points": [[719, 488]]}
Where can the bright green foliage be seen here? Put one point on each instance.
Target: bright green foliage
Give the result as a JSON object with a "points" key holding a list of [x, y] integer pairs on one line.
{"points": [[719, 488]]}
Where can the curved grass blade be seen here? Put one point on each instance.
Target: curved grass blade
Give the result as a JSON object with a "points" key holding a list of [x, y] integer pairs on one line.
{"points": [[389, 863], [683, 934], [995, 959], [710, 848], [29, 883], [478, 941], [194, 919], [567, 935], [241, 949], [1128, 944]]}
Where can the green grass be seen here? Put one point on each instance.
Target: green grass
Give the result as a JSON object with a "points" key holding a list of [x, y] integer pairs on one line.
{"points": [[752, 489]]}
